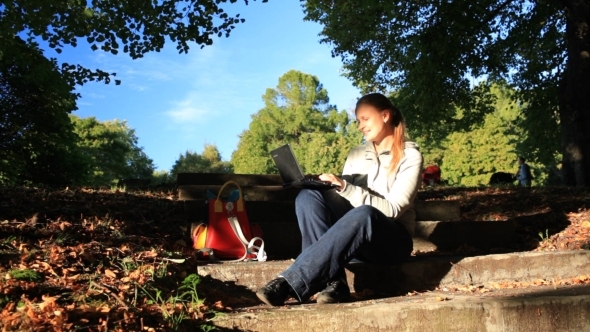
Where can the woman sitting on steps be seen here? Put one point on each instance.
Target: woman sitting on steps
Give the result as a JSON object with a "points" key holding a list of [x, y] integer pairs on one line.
{"points": [[369, 217]]}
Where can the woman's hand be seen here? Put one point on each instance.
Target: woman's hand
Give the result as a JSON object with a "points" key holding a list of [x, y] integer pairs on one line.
{"points": [[333, 179]]}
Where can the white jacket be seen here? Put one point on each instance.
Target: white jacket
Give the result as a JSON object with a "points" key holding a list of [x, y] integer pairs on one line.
{"points": [[367, 182]]}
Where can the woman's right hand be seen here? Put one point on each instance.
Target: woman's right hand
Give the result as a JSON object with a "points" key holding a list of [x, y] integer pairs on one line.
{"points": [[333, 179]]}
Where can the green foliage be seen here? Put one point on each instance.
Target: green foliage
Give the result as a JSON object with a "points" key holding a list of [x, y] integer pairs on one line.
{"points": [[189, 291], [161, 177], [36, 136], [184, 305], [545, 238], [430, 52], [25, 275], [298, 112], [469, 158], [110, 148], [207, 162], [134, 27], [42, 143]]}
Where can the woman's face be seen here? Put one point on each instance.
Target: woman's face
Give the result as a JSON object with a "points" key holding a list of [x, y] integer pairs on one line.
{"points": [[372, 122]]}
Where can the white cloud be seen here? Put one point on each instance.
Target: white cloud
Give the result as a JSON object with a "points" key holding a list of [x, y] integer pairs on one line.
{"points": [[93, 95], [138, 87], [186, 111], [166, 65], [149, 71]]}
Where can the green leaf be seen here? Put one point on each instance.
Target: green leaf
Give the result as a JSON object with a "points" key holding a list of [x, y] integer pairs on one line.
{"points": [[88, 12]]}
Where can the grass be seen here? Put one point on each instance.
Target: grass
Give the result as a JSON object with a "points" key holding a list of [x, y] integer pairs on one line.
{"points": [[8, 241], [62, 239], [545, 238], [115, 188], [128, 265], [184, 305], [25, 275]]}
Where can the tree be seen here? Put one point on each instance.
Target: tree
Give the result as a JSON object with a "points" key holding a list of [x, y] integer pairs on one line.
{"points": [[110, 147], [36, 136], [428, 52], [298, 112], [470, 157], [207, 162], [135, 27], [161, 177], [37, 139]]}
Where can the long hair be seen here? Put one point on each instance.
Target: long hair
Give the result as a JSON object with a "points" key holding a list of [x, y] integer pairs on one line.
{"points": [[396, 120]]}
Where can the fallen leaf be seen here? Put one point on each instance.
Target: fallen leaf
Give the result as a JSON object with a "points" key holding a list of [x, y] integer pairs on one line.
{"points": [[175, 260], [110, 273]]}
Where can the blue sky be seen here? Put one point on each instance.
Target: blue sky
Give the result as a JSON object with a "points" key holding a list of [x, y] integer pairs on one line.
{"points": [[179, 102]]}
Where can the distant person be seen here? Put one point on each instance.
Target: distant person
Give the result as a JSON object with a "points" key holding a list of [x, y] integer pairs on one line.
{"points": [[523, 175], [431, 175], [369, 216]]}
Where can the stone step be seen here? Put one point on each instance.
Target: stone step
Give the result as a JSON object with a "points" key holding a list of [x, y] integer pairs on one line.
{"points": [[273, 208], [439, 225], [265, 213], [191, 178], [283, 239], [437, 210], [447, 235], [266, 203], [265, 196], [546, 308], [538, 309], [424, 273]]}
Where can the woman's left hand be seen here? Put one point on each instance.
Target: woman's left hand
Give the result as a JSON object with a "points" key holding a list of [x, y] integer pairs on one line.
{"points": [[332, 179]]}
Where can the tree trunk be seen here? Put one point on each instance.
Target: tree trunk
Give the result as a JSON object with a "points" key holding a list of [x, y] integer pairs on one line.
{"points": [[575, 96]]}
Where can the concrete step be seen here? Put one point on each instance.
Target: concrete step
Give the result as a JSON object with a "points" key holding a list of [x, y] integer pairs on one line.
{"points": [[538, 309], [447, 235], [442, 307], [423, 273], [283, 239], [437, 210], [265, 210], [273, 208], [445, 232]]}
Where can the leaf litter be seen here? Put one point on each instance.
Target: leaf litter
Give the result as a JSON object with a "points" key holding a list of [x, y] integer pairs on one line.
{"points": [[95, 260]]}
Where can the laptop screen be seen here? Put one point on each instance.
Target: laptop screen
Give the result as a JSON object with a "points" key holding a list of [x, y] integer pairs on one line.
{"points": [[286, 163]]}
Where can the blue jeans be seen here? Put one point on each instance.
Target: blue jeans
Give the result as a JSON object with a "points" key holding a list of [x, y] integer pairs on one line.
{"points": [[333, 233], [524, 183]]}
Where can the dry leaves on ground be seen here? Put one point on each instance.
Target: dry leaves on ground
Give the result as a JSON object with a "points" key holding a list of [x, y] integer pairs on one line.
{"points": [[99, 259]]}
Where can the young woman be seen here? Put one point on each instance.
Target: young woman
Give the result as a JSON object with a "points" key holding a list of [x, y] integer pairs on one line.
{"points": [[369, 217]]}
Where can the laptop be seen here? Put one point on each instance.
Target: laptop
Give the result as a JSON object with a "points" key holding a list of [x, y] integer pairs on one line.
{"points": [[291, 172]]}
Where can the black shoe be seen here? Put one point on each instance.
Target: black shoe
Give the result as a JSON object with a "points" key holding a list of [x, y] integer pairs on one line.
{"points": [[336, 292], [275, 292]]}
